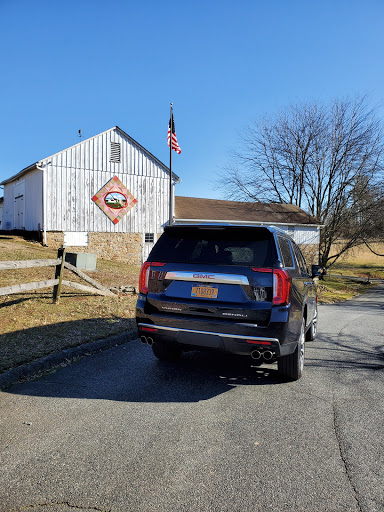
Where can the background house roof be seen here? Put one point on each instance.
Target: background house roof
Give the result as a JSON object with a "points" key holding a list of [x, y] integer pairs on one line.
{"points": [[227, 211]]}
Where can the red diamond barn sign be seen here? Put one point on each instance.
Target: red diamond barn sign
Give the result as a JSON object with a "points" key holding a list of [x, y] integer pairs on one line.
{"points": [[114, 199]]}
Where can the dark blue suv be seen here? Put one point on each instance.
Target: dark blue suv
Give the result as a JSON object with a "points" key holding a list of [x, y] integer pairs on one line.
{"points": [[245, 290]]}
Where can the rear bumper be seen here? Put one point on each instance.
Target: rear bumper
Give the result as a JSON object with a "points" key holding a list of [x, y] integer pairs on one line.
{"points": [[240, 344]]}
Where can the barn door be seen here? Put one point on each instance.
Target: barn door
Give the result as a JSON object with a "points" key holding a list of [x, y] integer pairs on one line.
{"points": [[18, 205], [19, 212]]}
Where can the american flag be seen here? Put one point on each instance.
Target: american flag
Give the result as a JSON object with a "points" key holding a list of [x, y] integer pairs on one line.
{"points": [[175, 144]]}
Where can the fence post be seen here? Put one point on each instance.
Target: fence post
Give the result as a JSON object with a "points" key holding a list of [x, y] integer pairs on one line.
{"points": [[59, 275]]}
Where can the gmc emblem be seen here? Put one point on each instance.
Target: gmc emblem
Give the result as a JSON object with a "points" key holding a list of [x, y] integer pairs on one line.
{"points": [[204, 276]]}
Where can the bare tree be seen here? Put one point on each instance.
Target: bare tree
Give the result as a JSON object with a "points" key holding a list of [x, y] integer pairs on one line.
{"points": [[326, 159]]}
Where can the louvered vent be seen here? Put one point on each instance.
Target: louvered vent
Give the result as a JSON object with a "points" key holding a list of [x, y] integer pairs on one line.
{"points": [[115, 152]]}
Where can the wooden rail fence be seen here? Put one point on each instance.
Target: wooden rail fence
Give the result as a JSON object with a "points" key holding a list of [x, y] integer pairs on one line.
{"points": [[59, 263]]}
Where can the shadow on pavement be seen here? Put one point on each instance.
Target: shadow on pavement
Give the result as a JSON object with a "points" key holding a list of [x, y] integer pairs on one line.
{"points": [[130, 373], [344, 352]]}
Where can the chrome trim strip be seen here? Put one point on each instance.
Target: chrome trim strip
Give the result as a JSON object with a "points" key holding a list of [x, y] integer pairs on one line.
{"points": [[176, 329], [207, 277]]}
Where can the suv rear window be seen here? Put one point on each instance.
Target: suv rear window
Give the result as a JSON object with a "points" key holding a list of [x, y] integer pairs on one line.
{"points": [[219, 246]]}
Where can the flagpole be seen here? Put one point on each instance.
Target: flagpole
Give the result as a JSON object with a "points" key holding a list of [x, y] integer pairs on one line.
{"points": [[170, 168]]}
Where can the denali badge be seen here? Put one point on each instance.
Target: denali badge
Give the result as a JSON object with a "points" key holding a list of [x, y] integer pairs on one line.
{"points": [[171, 309], [235, 314]]}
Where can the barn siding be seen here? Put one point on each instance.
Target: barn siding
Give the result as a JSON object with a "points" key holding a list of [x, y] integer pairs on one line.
{"points": [[7, 221], [70, 206], [30, 187], [302, 235]]}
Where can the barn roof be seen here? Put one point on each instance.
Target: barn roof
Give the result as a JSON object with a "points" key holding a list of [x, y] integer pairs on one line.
{"points": [[19, 174], [194, 208], [122, 132]]}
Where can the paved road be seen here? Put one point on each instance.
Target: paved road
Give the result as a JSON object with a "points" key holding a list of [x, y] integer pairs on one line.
{"points": [[120, 431]]}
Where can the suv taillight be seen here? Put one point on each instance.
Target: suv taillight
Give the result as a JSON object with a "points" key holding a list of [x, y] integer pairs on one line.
{"points": [[281, 287], [144, 275]]}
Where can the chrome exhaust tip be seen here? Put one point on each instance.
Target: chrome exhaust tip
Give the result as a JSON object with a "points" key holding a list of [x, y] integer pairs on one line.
{"points": [[150, 341], [268, 355], [143, 339], [256, 355]]}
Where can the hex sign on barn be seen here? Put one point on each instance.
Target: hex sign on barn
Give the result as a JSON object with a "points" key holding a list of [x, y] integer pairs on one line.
{"points": [[114, 199]]}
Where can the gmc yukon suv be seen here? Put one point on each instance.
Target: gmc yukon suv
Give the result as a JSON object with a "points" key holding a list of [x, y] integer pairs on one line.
{"points": [[240, 289]]}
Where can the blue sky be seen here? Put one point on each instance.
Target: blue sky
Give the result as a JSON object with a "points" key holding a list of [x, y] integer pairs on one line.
{"points": [[91, 65]]}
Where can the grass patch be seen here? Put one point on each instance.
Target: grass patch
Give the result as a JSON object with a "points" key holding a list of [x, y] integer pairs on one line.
{"points": [[31, 326], [334, 289], [365, 271]]}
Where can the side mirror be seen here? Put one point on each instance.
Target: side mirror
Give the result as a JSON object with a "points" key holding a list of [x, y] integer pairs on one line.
{"points": [[318, 271]]}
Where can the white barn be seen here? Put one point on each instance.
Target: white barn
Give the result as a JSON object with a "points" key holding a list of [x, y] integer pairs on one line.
{"points": [[57, 197]]}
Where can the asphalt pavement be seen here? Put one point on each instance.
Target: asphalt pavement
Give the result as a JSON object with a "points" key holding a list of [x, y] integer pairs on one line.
{"points": [[121, 431]]}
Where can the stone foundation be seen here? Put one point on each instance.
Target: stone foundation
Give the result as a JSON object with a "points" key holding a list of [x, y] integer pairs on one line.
{"points": [[125, 247], [55, 239]]}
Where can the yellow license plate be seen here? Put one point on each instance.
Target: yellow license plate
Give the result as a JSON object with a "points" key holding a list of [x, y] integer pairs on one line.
{"points": [[208, 292]]}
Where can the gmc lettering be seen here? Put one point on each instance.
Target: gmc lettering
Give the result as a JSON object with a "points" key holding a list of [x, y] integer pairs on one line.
{"points": [[203, 276]]}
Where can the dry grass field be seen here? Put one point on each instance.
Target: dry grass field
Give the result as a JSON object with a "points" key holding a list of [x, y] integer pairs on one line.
{"points": [[362, 256]]}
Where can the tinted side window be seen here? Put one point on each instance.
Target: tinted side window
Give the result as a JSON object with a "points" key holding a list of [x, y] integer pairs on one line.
{"points": [[285, 251], [300, 260]]}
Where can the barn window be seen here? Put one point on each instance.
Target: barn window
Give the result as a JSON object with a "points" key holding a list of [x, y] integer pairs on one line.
{"points": [[115, 152], [149, 237]]}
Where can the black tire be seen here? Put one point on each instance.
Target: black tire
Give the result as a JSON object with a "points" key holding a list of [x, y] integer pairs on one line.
{"points": [[292, 365], [312, 331], [166, 352]]}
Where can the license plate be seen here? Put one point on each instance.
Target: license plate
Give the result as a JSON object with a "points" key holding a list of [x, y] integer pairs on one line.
{"points": [[208, 292]]}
